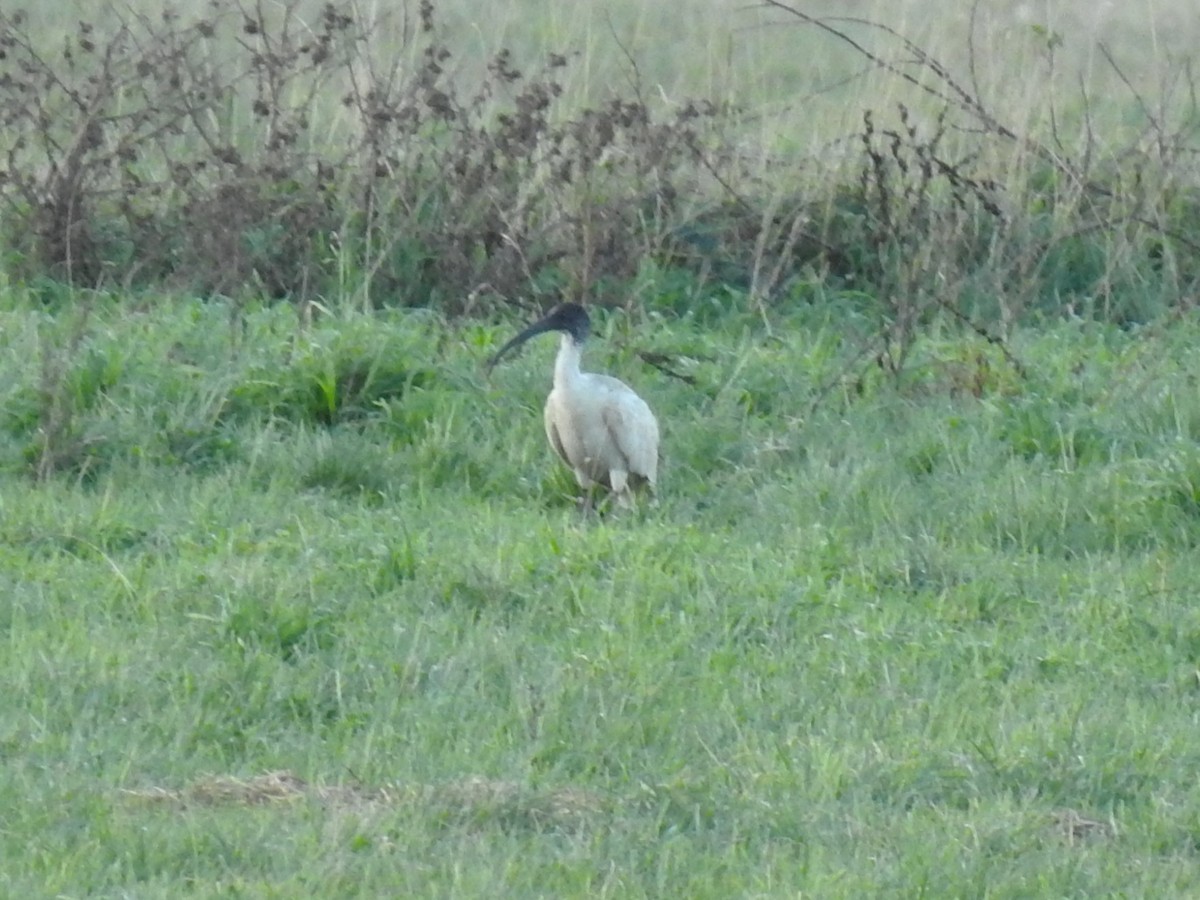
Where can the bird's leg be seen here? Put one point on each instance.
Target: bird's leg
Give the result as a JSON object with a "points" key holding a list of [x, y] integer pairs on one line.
{"points": [[586, 502]]}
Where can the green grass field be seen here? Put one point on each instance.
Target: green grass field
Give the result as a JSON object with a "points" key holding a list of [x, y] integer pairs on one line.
{"points": [[876, 639], [296, 602]]}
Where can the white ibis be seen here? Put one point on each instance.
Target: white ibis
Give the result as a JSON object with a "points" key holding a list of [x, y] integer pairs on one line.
{"points": [[595, 423]]}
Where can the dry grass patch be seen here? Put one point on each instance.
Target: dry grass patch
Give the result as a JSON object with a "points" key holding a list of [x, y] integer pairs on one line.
{"points": [[473, 798], [1075, 827]]}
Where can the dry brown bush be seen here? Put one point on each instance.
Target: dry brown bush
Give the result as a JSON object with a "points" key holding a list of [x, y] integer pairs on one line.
{"points": [[245, 148], [248, 147]]}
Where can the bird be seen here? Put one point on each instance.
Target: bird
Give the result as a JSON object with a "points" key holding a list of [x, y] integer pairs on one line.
{"points": [[596, 424]]}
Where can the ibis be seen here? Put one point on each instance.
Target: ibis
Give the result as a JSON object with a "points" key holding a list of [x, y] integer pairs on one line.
{"points": [[596, 424]]}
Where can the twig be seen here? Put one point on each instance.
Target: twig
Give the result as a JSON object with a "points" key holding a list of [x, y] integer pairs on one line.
{"points": [[994, 340], [662, 362]]}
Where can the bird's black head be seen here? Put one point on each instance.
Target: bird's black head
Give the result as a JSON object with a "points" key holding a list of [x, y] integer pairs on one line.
{"points": [[569, 318]]}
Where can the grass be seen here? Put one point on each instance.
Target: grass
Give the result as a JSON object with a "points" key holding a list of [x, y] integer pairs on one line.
{"points": [[267, 637], [307, 609]]}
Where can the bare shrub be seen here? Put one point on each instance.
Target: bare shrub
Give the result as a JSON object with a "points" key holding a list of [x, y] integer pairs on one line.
{"points": [[249, 147], [1006, 223], [126, 159]]}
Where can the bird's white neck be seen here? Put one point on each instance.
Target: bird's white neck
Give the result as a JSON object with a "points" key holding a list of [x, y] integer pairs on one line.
{"points": [[566, 364]]}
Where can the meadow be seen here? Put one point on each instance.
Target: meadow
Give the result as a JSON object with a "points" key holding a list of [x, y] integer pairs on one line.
{"points": [[888, 639], [297, 601]]}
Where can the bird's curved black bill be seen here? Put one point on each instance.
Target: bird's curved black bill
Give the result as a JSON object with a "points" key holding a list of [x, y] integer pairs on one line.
{"points": [[532, 331]]}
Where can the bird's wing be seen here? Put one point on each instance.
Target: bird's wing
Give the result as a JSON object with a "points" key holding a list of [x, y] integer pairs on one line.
{"points": [[634, 430], [552, 431]]}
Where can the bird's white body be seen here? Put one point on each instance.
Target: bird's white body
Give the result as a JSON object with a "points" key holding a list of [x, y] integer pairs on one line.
{"points": [[600, 428]]}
